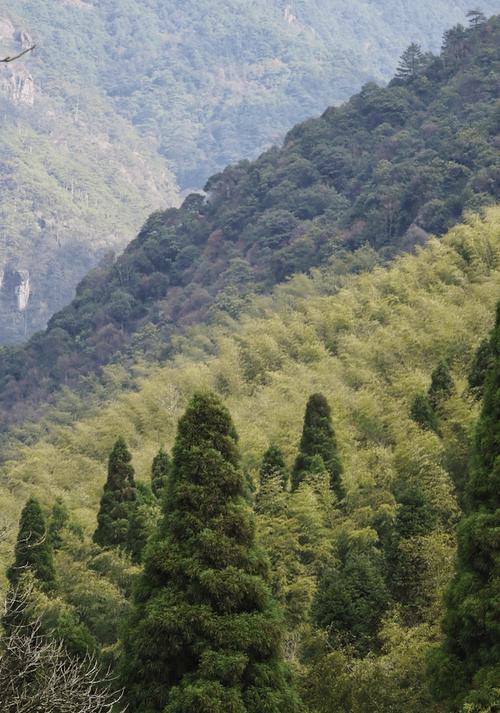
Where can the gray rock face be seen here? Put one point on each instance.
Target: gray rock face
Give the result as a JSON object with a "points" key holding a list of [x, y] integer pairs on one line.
{"points": [[15, 288], [17, 85]]}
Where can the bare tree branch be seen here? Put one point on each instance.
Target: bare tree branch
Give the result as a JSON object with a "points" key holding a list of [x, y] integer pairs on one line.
{"points": [[38, 675], [11, 59]]}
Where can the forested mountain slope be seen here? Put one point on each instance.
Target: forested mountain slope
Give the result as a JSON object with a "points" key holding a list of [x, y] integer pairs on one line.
{"points": [[123, 99], [372, 349], [365, 181]]}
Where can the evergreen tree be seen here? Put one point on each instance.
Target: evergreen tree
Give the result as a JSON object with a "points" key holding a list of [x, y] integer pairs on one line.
{"points": [[160, 471], [143, 520], [441, 387], [206, 635], [351, 600], [273, 464], [33, 550], [467, 667], [118, 499], [411, 62], [423, 413], [479, 369], [476, 18], [414, 519], [318, 439], [59, 520]]}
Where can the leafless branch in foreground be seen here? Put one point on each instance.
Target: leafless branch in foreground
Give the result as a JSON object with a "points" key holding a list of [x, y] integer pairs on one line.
{"points": [[38, 676], [21, 54]]}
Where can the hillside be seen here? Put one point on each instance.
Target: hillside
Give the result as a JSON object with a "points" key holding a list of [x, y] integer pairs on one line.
{"points": [[371, 349], [357, 186], [123, 102]]}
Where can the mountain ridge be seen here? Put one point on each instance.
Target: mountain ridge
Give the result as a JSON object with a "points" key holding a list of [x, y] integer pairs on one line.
{"points": [[363, 182], [123, 101]]}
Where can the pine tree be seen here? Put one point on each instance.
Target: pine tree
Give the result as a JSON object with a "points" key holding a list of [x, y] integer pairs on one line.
{"points": [[273, 464], [33, 551], [206, 635], [411, 62], [441, 387], [160, 471], [59, 519], [476, 18], [318, 439], [118, 499], [467, 667]]}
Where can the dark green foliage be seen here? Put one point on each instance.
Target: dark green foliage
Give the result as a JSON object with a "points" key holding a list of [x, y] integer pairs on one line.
{"points": [[467, 667], [318, 440], [415, 519], [479, 369], [33, 550], [426, 408], [411, 63], [476, 18], [425, 151], [351, 600], [118, 499], [273, 464], [143, 520], [441, 387], [423, 413], [59, 519], [160, 472], [206, 633]]}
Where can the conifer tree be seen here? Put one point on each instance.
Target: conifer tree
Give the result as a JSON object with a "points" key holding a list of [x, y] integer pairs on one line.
{"points": [[351, 599], [142, 522], [441, 387], [273, 464], [467, 667], [318, 439], [479, 368], [415, 519], [59, 519], [118, 499], [476, 18], [423, 413], [160, 471], [205, 634], [33, 551], [411, 62]]}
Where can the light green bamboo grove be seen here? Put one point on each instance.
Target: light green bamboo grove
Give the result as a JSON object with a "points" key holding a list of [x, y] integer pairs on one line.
{"points": [[370, 346]]}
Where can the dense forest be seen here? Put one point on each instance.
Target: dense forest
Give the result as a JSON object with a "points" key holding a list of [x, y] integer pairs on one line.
{"points": [[125, 100], [253, 467], [362, 183], [295, 554]]}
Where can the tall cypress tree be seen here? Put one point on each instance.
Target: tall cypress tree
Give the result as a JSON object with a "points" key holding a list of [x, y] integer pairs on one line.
{"points": [[160, 471], [273, 465], [318, 439], [467, 667], [205, 635], [117, 500], [33, 549]]}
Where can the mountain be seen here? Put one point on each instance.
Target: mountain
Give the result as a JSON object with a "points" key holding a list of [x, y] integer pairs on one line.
{"points": [[371, 349], [123, 103], [357, 186]]}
